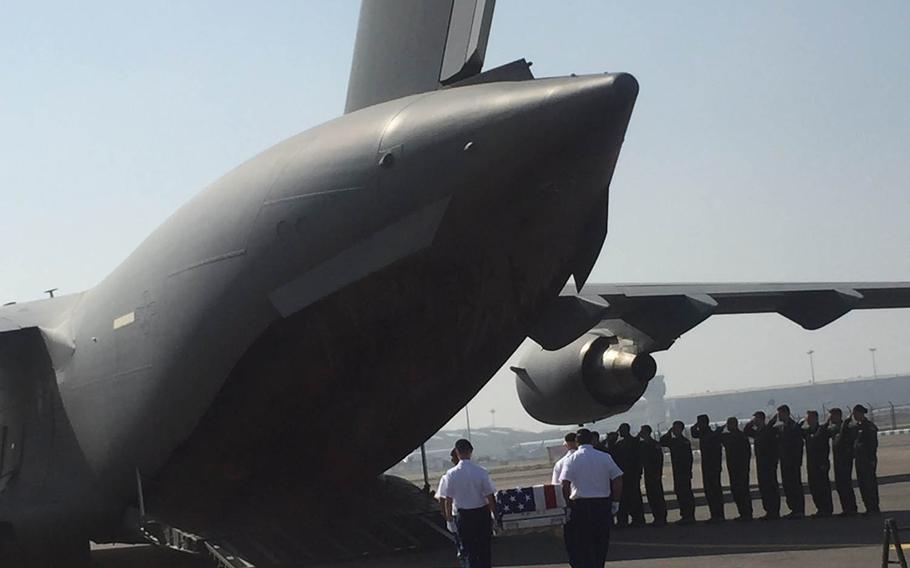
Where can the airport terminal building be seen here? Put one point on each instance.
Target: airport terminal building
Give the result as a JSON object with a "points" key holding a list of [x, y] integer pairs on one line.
{"points": [[878, 394]]}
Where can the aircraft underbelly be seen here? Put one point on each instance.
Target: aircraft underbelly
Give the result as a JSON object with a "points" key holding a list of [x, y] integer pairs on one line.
{"points": [[345, 387]]}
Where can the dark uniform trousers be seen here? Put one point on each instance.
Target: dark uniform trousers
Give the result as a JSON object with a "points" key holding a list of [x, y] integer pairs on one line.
{"points": [[592, 519], [768, 486], [714, 492], [791, 476], [682, 487], [819, 483], [654, 487], [570, 538], [843, 481], [867, 480], [739, 487], [631, 504], [475, 528]]}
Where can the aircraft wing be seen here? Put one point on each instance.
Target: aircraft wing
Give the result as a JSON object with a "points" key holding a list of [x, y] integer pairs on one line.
{"points": [[663, 312], [405, 47]]}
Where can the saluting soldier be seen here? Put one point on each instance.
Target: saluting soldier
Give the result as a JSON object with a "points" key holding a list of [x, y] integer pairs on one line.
{"points": [[865, 453], [818, 464], [739, 459], [711, 448], [842, 448], [790, 446], [681, 461], [766, 458], [591, 482], [652, 461], [631, 506], [468, 489]]}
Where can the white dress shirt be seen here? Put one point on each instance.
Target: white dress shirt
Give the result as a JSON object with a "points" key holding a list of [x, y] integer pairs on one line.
{"points": [[467, 484], [560, 464], [590, 472]]}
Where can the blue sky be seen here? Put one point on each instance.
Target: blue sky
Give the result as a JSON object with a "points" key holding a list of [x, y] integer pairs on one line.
{"points": [[770, 142]]}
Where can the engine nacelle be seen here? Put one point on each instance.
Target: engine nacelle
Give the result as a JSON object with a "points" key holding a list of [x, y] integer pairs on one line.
{"points": [[594, 377]]}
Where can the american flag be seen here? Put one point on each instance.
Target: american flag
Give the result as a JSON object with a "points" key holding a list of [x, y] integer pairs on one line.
{"points": [[536, 499]]}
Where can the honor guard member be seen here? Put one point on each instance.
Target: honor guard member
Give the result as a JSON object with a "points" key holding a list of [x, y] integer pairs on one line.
{"points": [[571, 444], [865, 455], [842, 450], [469, 491], [818, 464], [790, 448], [440, 492], [631, 506], [766, 458], [610, 445], [568, 530], [591, 481], [681, 459], [652, 463], [739, 460], [596, 442], [711, 448]]}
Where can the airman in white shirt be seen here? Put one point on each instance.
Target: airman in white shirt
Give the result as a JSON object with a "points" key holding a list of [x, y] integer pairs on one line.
{"points": [[592, 485], [571, 445], [470, 506]]}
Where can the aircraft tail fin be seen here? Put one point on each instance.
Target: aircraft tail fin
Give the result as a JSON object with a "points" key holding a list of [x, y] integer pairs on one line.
{"points": [[405, 47]]}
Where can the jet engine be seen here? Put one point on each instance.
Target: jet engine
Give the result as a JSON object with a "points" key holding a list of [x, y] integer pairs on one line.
{"points": [[596, 376]]}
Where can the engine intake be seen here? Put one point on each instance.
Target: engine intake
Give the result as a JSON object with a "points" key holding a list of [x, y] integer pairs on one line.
{"points": [[592, 378]]}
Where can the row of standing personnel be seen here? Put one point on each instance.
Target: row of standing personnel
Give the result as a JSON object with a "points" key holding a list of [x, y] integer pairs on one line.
{"points": [[779, 443]]}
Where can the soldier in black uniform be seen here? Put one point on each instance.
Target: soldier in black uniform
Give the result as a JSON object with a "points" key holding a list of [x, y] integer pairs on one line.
{"points": [[631, 505], [790, 448], [681, 460], [711, 465], [865, 454], [652, 462], [842, 448], [766, 458], [818, 464], [739, 459], [610, 444], [596, 442]]}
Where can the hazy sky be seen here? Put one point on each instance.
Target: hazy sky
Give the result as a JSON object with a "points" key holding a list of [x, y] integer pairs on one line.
{"points": [[770, 141]]}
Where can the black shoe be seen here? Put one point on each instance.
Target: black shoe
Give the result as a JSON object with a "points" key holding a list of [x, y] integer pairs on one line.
{"points": [[872, 512], [793, 516], [821, 515], [769, 517], [658, 523], [687, 521], [715, 520], [847, 514], [743, 519]]}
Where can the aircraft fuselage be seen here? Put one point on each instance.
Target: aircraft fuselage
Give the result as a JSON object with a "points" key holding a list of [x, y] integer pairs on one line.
{"points": [[362, 280]]}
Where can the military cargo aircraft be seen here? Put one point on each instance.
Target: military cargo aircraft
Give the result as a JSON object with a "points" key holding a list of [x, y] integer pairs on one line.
{"points": [[380, 267]]}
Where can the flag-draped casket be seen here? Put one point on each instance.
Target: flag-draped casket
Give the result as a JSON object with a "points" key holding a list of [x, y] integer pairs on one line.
{"points": [[536, 507]]}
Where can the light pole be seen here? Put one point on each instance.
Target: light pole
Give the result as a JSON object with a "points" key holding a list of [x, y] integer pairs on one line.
{"points": [[874, 366], [492, 418], [810, 353], [467, 419]]}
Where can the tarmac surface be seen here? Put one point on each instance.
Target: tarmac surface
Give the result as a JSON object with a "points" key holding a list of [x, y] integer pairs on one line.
{"points": [[829, 542]]}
